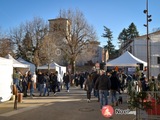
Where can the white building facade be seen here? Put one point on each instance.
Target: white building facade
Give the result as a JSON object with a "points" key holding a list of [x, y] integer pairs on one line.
{"points": [[138, 48]]}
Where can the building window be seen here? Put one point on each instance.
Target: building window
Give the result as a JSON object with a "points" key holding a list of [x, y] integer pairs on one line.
{"points": [[158, 60]]}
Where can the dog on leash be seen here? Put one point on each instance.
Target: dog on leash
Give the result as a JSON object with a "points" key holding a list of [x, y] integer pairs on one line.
{"points": [[120, 100]]}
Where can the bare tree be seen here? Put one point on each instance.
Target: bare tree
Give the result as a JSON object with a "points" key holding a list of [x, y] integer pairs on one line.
{"points": [[29, 37], [6, 46], [37, 30], [78, 35], [48, 51], [90, 53]]}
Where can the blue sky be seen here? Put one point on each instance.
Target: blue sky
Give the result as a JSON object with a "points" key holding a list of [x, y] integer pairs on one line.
{"points": [[114, 14]]}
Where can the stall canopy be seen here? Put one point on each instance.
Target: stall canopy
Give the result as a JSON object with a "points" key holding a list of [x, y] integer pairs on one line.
{"points": [[6, 79], [61, 69], [32, 66], [126, 59], [17, 64], [53, 65]]}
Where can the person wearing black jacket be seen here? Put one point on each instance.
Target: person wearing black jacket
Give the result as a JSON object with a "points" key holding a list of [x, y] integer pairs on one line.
{"points": [[104, 84], [114, 88], [95, 91], [66, 80], [25, 85], [40, 80], [81, 80], [53, 82]]}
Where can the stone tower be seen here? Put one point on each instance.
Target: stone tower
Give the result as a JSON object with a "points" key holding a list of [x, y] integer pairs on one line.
{"points": [[59, 25], [58, 30]]}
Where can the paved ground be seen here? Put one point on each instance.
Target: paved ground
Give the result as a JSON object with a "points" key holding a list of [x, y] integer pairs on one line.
{"points": [[63, 106]]}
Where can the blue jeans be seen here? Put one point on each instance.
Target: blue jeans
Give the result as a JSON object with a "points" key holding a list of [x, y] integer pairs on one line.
{"points": [[16, 82], [38, 86], [103, 97], [96, 93], [67, 85], [113, 96], [46, 89], [31, 88], [41, 87]]}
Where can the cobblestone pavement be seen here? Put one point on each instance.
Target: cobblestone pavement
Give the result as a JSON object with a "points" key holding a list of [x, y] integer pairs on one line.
{"points": [[64, 105]]}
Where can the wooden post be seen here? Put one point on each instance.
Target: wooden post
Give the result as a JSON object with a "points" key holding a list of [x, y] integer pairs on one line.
{"points": [[15, 102], [15, 92], [20, 97]]}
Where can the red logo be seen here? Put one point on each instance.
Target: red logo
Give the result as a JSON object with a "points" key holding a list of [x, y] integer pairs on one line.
{"points": [[107, 111]]}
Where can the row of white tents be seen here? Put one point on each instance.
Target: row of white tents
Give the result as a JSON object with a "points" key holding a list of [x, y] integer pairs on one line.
{"points": [[6, 72], [7, 65]]}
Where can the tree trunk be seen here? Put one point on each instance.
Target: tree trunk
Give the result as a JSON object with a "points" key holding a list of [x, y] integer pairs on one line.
{"points": [[73, 66], [48, 68]]}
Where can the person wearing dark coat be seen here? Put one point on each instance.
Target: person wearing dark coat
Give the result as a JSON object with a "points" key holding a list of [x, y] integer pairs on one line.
{"points": [[104, 84], [66, 80], [88, 86], [81, 80], [114, 88], [144, 83], [76, 77], [53, 82], [25, 85], [95, 91], [40, 80]]}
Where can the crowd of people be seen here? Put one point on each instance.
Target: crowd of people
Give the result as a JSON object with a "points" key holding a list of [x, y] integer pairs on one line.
{"points": [[45, 82], [102, 83], [111, 83], [42, 81]]}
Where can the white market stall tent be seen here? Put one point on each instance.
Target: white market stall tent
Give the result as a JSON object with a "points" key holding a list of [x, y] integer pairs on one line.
{"points": [[61, 69], [6, 80], [126, 59], [17, 64], [52, 65], [32, 66], [23, 68], [7, 65]]}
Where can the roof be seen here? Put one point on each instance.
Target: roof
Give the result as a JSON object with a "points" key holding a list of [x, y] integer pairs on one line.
{"points": [[16, 63], [32, 66], [144, 36], [126, 59]]}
